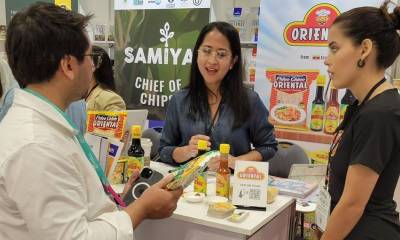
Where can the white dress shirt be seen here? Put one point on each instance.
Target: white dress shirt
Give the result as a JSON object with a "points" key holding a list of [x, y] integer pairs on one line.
{"points": [[48, 189]]}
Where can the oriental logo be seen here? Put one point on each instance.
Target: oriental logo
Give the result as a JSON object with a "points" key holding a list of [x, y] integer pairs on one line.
{"points": [[313, 30], [165, 55], [251, 173]]}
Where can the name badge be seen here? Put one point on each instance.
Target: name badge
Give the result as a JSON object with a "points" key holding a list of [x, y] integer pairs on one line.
{"points": [[323, 208]]}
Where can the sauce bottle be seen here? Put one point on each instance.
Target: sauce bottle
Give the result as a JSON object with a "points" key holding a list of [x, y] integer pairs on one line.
{"points": [[200, 183], [332, 112], [223, 173], [135, 152], [318, 106]]}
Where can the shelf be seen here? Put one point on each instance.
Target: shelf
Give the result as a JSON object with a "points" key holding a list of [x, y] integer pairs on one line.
{"points": [[307, 136], [248, 44]]}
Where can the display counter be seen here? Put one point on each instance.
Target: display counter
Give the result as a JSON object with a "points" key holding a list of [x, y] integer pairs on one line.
{"points": [[190, 220]]}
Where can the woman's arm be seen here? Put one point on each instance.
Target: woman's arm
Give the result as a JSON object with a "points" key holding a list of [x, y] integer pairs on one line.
{"points": [[184, 153], [261, 131], [360, 182], [253, 155]]}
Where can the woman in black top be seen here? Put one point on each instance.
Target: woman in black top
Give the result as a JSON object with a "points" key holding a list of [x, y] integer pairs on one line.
{"points": [[365, 155]]}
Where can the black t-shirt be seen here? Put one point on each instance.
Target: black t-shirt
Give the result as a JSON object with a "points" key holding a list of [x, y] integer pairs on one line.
{"points": [[371, 138]]}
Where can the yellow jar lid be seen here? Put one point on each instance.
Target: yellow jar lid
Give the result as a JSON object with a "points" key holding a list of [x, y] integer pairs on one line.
{"points": [[136, 131], [321, 79], [224, 148], [202, 145]]}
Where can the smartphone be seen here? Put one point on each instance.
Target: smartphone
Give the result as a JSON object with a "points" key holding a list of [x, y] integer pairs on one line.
{"points": [[146, 178]]}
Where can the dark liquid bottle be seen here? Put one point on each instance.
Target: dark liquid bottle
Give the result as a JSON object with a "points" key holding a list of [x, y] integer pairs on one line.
{"points": [[332, 112], [347, 100], [318, 106], [135, 152]]}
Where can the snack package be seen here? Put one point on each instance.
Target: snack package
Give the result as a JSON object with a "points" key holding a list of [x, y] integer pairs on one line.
{"points": [[220, 209], [106, 124], [114, 151], [289, 97], [117, 175], [186, 173]]}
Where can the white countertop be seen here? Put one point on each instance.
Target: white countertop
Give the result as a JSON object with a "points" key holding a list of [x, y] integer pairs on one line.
{"points": [[197, 212]]}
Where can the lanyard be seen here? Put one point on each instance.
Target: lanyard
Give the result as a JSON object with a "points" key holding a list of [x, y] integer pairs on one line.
{"points": [[86, 149], [343, 127], [210, 129]]}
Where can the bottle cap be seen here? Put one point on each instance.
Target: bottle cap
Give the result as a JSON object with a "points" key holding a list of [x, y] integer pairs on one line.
{"points": [[321, 79], [202, 145], [224, 148], [136, 131]]}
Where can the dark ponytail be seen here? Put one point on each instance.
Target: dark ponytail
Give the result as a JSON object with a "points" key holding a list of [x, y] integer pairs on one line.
{"points": [[394, 17], [377, 25]]}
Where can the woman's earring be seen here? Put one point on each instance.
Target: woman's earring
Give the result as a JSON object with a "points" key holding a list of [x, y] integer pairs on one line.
{"points": [[361, 63]]}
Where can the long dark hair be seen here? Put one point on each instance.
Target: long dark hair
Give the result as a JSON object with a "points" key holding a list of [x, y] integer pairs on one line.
{"points": [[104, 73], [375, 24], [232, 89]]}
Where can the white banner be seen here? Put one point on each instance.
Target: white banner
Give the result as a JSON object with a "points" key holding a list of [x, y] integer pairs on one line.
{"points": [[160, 4]]}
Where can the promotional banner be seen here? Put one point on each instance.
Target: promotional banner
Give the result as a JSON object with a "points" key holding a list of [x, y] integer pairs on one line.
{"points": [[154, 46], [291, 77], [13, 6]]}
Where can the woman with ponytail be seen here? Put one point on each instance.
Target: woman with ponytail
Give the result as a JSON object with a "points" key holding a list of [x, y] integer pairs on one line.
{"points": [[364, 160]]}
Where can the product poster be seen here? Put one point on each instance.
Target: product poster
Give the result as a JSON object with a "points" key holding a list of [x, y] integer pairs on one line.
{"points": [[154, 43], [291, 77]]}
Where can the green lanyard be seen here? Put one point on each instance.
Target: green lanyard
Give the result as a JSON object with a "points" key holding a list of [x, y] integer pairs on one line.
{"points": [[86, 149]]}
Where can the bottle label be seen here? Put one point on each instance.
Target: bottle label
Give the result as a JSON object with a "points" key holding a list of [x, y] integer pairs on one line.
{"points": [[222, 188], [331, 119], [317, 117], [134, 163], [200, 183], [343, 109]]}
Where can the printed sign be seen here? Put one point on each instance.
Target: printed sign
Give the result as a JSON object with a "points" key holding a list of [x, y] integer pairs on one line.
{"points": [[250, 184], [106, 124], [154, 53]]}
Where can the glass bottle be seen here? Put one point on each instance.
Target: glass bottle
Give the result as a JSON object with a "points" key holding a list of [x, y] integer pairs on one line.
{"points": [[135, 151], [318, 106], [332, 112], [200, 183], [223, 173]]}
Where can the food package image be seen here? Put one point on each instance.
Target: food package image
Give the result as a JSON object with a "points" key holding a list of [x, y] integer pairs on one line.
{"points": [[106, 124], [186, 173], [289, 97]]}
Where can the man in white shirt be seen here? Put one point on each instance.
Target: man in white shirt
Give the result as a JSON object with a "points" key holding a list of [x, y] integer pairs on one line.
{"points": [[49, 189]]}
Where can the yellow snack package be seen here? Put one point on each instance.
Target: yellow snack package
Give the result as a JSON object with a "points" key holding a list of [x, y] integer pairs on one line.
{"points": [[106, 124], [186, 173]]}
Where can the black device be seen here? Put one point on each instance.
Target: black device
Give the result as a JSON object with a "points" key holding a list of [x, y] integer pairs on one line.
{"points": [[146, 178]]}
